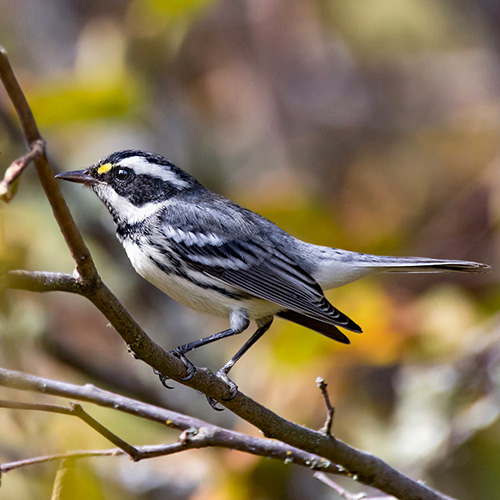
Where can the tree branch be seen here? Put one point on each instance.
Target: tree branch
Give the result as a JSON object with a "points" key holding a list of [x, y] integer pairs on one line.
{"points": [[38, 281], [8, 466], [367, 468], [196, 433], [74, 240], [143, 452]]}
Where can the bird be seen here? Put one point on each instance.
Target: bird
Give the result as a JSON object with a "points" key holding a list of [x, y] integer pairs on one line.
{"points": [[217, 257]]}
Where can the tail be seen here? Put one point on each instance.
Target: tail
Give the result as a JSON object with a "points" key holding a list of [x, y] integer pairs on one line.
{"points": [[422, 265], [335, 267]]}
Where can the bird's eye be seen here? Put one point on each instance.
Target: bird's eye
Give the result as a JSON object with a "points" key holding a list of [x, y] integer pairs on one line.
{"points": [[122, 174]]}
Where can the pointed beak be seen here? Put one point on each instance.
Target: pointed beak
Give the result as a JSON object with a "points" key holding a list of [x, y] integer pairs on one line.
{"points": [[79, 176]]}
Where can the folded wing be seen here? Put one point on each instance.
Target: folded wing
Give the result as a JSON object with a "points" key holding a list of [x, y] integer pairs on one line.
{"points": [[259, 268]]}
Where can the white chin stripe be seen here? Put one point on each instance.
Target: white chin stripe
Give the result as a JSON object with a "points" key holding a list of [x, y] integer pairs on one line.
{"points": [[141, 166]]}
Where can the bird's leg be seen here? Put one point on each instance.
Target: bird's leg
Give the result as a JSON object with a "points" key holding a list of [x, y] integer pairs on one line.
{"points": [[239, 322], [183, 349], [222, 373]]}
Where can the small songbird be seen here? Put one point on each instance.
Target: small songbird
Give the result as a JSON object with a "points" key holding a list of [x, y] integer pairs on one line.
{"points": [[218, 257]]}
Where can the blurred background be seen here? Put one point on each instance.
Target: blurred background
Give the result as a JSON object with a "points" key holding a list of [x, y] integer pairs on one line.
{"points": [[369, 126]]}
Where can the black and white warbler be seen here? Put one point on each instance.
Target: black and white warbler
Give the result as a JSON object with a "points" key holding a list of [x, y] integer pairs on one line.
{"points": [[218, 257]]}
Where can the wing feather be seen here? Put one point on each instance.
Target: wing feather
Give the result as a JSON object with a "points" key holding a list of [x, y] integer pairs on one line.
{"points": [[259, 268]]}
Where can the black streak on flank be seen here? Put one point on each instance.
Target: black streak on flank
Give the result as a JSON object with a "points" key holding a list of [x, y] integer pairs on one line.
{"points": [[177, 270]]}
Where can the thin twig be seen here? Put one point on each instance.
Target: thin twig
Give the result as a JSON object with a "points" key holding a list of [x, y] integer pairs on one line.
{"points": [[8, 466], [16, 168], [75, 410], [16, 405], [143, 452], [342, 492], [330, 410], [78, 411]]}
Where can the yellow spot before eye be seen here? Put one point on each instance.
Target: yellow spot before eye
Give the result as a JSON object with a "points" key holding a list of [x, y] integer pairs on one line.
{"points": [[103, 169]]}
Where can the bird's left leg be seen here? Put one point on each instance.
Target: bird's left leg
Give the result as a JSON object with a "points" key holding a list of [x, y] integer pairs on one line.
{"points": [[263, 325]]}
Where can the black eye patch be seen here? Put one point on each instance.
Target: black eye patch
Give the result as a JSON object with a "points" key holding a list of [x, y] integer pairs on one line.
{"points": [[144, 189]]}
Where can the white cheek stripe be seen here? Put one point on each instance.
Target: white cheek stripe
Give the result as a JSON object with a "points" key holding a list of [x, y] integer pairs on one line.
{"points": [[141, 166], [124, 209]]}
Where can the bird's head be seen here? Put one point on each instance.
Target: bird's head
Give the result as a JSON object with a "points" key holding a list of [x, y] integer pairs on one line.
{"points": [[133, 183]]}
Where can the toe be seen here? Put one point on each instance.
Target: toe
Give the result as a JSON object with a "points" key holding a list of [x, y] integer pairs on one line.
{"points": [[163, 379], [233, 388], [190, 368], [213, 403], [190, 371]]}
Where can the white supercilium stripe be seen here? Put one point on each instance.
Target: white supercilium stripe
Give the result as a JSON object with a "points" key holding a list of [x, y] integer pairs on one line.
{"points": [[141, 166]]}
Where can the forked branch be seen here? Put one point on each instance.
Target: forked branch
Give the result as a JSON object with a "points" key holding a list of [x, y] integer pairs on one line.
{"points": [[195, 433]]}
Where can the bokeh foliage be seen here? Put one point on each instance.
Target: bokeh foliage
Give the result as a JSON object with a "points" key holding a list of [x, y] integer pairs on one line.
{"points": [[370, 126]]}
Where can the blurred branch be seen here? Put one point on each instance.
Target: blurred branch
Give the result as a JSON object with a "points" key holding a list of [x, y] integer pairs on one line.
{"points": [[142, 452], [87, 282], [342, 492], [470, 404], [76, 410], [196, 433]]}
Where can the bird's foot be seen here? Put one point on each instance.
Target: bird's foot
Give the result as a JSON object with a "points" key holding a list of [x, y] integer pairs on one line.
{"points": [[190, 368], [233, 390], [163, 379]]}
